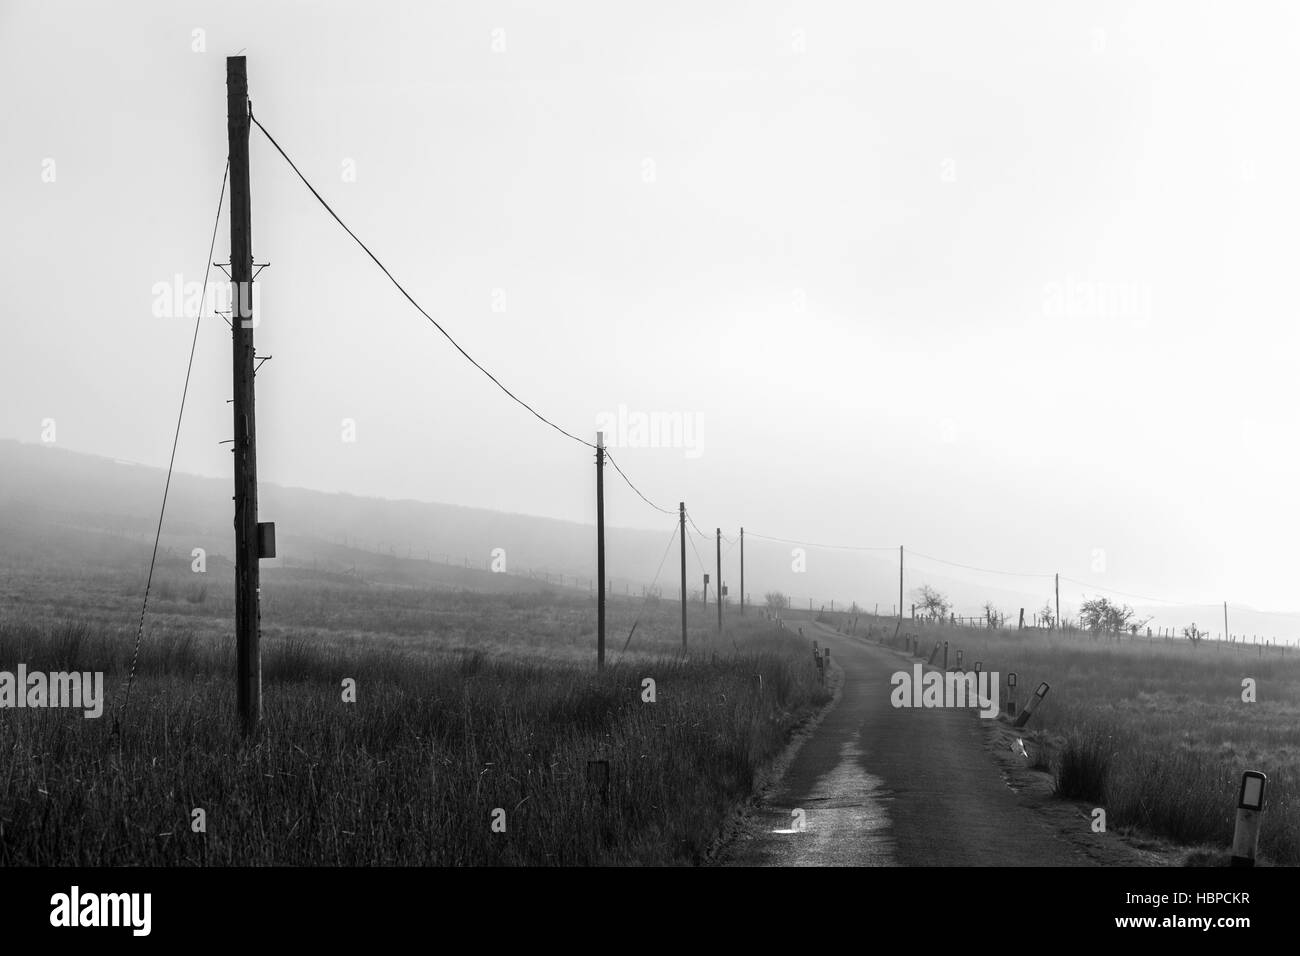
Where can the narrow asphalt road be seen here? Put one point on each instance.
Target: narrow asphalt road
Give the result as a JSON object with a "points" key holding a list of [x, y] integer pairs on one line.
{"points": [[886, 786]]}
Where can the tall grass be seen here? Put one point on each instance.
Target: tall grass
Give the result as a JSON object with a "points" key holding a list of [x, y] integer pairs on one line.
{"points": [[409, 774]]}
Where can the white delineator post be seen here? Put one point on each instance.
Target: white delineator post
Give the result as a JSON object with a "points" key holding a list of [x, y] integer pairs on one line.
{"points": [[1034, 701], [1250, 807]]}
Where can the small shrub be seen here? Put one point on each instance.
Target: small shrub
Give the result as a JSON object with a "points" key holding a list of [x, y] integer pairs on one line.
{"points": [[1083, 766]]}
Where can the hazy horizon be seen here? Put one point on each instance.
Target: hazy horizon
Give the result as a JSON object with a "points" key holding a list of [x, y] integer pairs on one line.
{"points": [[113, 495]]}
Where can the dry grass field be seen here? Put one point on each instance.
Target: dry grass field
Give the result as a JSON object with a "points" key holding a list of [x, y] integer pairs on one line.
{"points": [[472, 702], [466, 705]]}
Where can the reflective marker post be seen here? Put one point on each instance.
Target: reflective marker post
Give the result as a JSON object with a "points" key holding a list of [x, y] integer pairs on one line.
{"points": [[1011, 694], [1250, 807], [1034, 701]]}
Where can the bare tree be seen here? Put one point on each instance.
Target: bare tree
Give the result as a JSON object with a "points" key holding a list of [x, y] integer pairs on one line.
{"points": [[993, 616], [776, 601], [1047, 615], [1103, 615], [931, 603]]}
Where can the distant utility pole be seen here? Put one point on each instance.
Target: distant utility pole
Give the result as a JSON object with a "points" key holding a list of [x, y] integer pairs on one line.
{"points": [[900, 582], [742, 572], [1058, 599], [719, 589], [1225, 620], [248, 655], [681, 512], [600, 548]]}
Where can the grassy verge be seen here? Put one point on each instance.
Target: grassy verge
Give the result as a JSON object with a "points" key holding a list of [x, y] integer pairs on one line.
{"points": [[437, 745]]}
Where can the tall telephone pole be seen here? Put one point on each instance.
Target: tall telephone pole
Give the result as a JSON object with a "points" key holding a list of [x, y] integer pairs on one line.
{"points": [[719, 587], [681, 512], [900, 582], [600, 548], [248, 655], [1058, 599], [742, 572]]}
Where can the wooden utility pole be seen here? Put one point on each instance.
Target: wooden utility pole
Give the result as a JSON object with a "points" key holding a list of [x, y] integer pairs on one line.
{"points": [[248, 656], [681, 512], [900, 582], [742, 572], [1225, 620], [1058, 599], [719, 587], [600, 548]]}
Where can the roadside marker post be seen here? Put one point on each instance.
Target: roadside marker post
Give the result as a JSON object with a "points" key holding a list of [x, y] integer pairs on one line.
{"points": [[1011, 694], [1250, 807], [945, 655], [1034, 701]]}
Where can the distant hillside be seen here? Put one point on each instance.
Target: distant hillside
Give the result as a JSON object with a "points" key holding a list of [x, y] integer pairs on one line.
{"points": [[51, 487], [43, 487]]}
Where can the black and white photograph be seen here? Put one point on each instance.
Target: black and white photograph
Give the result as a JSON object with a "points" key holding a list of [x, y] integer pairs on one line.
{"points": [[585, 442]]}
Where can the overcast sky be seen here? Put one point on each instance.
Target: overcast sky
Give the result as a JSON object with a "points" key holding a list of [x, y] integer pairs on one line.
{"points": [[1009, 283]]}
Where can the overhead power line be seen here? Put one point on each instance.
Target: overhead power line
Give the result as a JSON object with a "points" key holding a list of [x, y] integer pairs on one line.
{"points": [[968, 567], [610, 459], [698, 560], [434, 322], [567, 434], [831, 547], [383, 268], [1140, 597], [650, 591]]}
